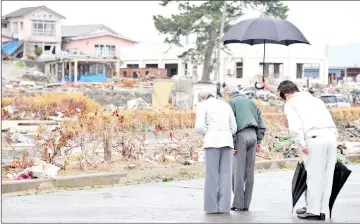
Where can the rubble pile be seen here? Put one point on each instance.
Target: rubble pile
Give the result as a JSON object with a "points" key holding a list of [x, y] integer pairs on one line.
{"points": [[349, 131]]}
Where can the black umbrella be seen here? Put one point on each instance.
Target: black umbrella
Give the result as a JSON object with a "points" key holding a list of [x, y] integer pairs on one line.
{"points": [[298, 183], [341, 174], [264, 30]]}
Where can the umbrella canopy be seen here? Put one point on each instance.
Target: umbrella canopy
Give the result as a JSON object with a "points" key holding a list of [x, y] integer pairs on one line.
{"points": [[264, 30], [341, 174], [298, 183]]}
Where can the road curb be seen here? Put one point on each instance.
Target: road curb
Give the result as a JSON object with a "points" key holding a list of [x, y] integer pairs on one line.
{"points": [[96, 179], [102, 179]]}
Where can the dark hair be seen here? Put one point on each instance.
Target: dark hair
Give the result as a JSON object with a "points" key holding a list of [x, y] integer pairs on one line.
{"points": [[209, 96], [287, 87]]}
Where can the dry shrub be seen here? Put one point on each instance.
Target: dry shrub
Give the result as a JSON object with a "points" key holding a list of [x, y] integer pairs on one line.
{"points": [[55, 143], [42, 106], [128, 83], [171, 119], [344, 115], [18, 165]]}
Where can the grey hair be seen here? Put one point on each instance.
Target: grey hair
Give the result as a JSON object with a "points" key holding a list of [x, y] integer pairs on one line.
{"points": [[231, 89], [204, 95]]}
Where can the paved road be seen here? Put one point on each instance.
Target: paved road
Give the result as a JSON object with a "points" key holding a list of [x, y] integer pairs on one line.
{"points": [[172, 202]]}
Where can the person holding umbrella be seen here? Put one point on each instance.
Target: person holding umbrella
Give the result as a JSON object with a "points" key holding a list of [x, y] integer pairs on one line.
{"points": [[216, 122], [313, 128], [249, 134]]}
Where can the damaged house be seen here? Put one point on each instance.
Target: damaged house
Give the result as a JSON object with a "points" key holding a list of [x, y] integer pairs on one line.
{"points": [[94, 40], [29, 28]]}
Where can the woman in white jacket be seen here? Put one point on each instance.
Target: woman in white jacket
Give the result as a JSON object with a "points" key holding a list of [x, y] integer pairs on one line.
{"points": [[216, 122]]}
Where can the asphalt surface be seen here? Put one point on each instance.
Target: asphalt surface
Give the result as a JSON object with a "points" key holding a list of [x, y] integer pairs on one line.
{"points": [[178, 201]]}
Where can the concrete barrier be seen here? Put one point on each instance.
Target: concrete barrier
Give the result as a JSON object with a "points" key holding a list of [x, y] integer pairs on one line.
{"points": [[21, 185], [96, 179], [102, 179]]}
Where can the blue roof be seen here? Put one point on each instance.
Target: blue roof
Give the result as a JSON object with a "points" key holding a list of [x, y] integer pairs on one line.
{"points": [[11, 47], [93, 78], [87, 77]]}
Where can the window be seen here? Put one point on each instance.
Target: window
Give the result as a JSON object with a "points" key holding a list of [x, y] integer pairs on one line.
{"points": [[186, 69], [3, 25], [239, 70], [105, 50], [113, 50], [341, 99], [21, 26], [266, 71], [328, 99], [135, 75], [132, 65], [277, 70], [151, 65], [299, 71], [15, 27], [124, 74], [311, 70], [43, 28], [195, 73]]}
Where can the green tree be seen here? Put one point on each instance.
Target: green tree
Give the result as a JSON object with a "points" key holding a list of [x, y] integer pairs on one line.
{"points": [[204, 20]]}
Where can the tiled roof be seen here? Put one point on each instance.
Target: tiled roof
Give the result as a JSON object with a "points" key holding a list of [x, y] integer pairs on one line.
{"points": [[24, 11], [79, 30], [85, 30]]}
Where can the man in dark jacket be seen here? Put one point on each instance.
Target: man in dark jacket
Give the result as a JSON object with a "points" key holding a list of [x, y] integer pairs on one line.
{"points": [[247, 141]]}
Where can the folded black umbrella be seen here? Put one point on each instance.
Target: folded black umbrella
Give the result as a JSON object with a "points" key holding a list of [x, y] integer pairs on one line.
{"points": [[341, 174], [298, 183]]}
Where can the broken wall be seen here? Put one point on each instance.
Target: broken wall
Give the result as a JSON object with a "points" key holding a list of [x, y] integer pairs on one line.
{"points": [[118, 97]]}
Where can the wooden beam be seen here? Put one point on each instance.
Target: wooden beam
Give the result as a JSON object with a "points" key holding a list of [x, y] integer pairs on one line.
{"points": [[63, 72], [70, 71], [75, 70], [56, 70], [96, 60]]}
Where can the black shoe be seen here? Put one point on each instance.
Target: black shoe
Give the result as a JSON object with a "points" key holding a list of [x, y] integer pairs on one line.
{"points": [[309, 216], [301, 211], [239, 209]]}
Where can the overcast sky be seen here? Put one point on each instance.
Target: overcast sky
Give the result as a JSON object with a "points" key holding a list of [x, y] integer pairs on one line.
{"points": [[332, 22]]}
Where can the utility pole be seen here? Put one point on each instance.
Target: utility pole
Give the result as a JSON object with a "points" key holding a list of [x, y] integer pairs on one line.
{"points": [[217, 71]]}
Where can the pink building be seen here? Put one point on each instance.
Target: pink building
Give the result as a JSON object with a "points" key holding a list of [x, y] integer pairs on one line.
{"points": [[36, 26], [94, 40]]}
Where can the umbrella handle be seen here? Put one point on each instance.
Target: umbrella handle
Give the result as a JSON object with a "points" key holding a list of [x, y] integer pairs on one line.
{"points": [[263, 82]]}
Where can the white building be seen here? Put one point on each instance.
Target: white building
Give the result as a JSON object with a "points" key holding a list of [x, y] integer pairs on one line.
{"points": [[241, 65]]}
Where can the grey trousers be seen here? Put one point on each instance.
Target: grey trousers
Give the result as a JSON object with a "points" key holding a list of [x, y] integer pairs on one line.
{"points": [[217, 189], [243, 168]]}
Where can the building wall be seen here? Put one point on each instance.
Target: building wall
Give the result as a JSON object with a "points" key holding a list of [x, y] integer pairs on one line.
{"points": [[88, 45], [251, 56], [5, 39], [6, 31]]}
